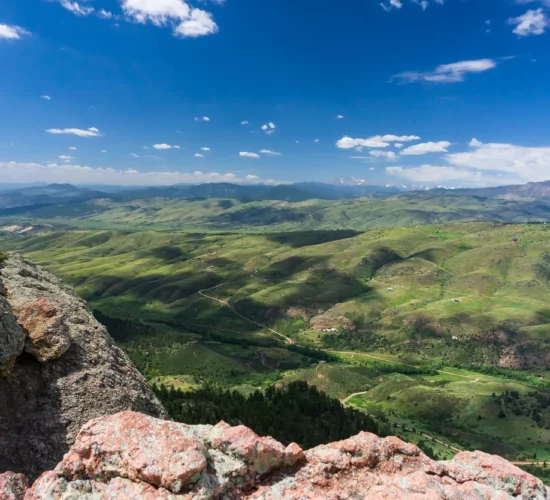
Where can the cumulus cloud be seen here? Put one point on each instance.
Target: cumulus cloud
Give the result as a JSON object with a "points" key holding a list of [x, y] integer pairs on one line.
{"points": [[204, 119], [249, 155], [269, 152], [65, 157], [427, 147], [339, 117], [388, 155], [525, 163], [76, 8], [104, 14], [447, 73], [198, 155], [398, 145], [389, 5], [245, 122], [376, 141], [46, 97], [103, 150], [8, 32], [165, 146], [205, 149], [134, 155], [533, 22], [91, 132], [433, 174], [315, 140], [268, 128], [11, 171], [72, 148], [484, 164], [177, 14]]}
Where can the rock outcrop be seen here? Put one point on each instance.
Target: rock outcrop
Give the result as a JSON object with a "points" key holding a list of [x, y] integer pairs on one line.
{"points": [[59, 368], [133, 456]]}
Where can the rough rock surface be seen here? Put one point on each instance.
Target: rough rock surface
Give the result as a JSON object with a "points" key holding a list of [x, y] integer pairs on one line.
{"points": [[71, 370], [132, 456], [12, 338], [13, 486]]}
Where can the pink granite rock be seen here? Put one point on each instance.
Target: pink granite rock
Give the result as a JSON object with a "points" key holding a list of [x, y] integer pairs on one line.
{"points": [[12, 486], [133, 456], [46, 328]]}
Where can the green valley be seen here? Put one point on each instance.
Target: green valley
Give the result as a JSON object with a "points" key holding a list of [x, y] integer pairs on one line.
{"points": [[432, 325]]}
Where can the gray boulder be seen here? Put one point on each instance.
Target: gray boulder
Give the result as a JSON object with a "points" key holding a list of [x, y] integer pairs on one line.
{"points": [[71, 371]]}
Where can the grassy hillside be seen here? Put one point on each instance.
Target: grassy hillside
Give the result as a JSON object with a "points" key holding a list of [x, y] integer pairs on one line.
{"points": [[470, 300], [295, 214], [467, 293]]}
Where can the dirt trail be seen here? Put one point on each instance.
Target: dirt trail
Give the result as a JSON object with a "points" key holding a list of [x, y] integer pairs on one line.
{"points": [[226, 304], [346, 399], [469, 377]]}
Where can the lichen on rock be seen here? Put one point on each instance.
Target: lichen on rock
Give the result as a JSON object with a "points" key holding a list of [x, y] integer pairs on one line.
{"points": [[133, 456]]}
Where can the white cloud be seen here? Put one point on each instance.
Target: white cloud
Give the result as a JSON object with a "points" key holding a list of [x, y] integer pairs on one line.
{"points": [[533, 22], [427, 147], [205, 149], [268, 128], [46, 97], [525, 163], [76, 8], [72, 148], [185, 20], [103, 150], [315, 140], [8, 32], [433, 174], [104, 14], [388, 155], [484, 164], [391, 4], [165, 146], [65, 157], [198, 155], [134, 155], [249, 155], [91, 132], [204, 119], [447, 73], [11, 171], [398, 145], [245, 122], [269, 152], [339, 117], [376, 141]]}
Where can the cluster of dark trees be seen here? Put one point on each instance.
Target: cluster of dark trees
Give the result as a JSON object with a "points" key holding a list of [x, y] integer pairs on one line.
{"points": [[534, 405], [296, 412]]}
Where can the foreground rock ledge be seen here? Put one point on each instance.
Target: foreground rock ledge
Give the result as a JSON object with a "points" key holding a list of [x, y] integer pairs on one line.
{"points": [[59, 368], [133, 456]]}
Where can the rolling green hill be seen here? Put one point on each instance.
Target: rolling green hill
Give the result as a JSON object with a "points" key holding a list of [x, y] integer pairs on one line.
{"points": [[289, 213], [473, 293], [246, 311]]}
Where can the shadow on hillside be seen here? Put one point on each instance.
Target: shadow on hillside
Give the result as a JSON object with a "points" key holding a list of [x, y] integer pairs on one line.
{"points": [[375, 260], [309, 238], [257, 216]]}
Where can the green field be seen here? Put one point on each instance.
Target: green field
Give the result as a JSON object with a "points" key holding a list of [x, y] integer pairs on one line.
{"points": [[470, 300]]}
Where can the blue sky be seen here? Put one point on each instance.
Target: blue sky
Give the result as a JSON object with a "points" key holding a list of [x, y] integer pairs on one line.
{"points": [[391, 92]]}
